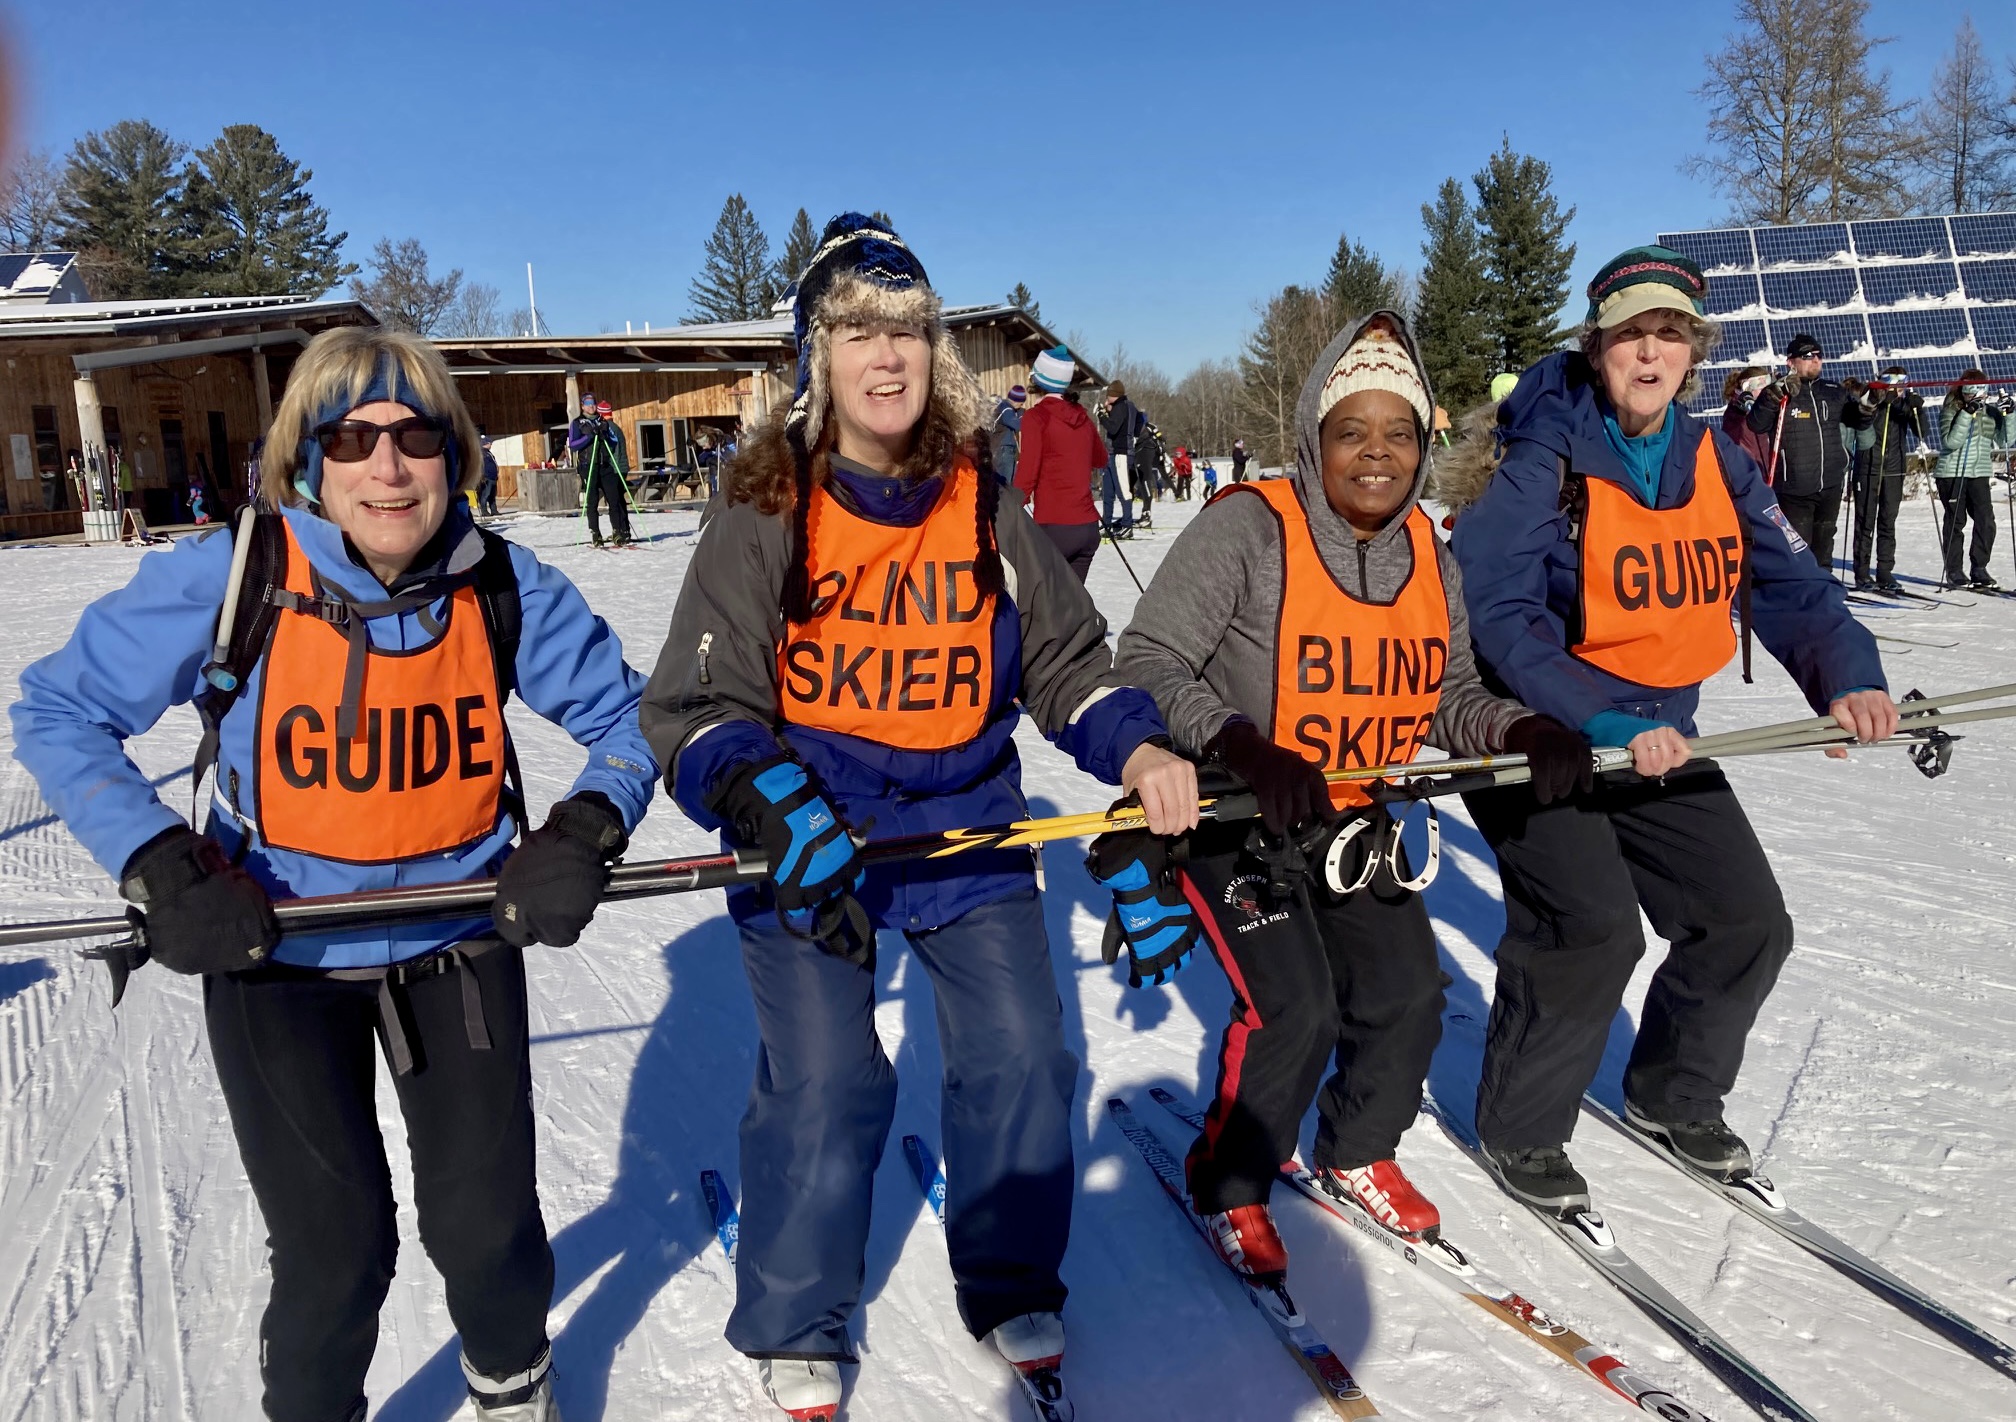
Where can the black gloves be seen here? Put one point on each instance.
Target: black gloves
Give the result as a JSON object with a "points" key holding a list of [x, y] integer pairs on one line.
{"points": [[201, 912], [550, 886], [814, 864], [1560, 759], [1150, 913], [1290, 789]]}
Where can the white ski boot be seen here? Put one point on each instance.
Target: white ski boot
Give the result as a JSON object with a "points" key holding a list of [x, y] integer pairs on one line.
{"points": [[808, 1390], [1034, 1345], [522, 1397]]}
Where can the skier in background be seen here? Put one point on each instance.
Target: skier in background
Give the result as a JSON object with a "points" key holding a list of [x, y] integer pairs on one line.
{"points": [[1339, 555], [1061, 454], [1810, 444], [1239, 461], [1185, 474], [296, 1023], [1116, 422], [605, 475], [850, 475], [1560, 620], [1972, 422], [1006, 431], [1896, 414]]}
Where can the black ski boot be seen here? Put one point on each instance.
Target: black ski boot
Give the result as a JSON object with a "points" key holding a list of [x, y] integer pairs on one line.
{"points": [[1541, 1176], [1865, 583], [596, 538], [1708, 1146], [1889, 586], [1984, 583]]}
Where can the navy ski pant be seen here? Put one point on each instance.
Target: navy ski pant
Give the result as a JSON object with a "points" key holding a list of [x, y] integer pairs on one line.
{"points": [[297, 1057], [1355, 974], [1576, 874], [606, 484], [824, 1099]]}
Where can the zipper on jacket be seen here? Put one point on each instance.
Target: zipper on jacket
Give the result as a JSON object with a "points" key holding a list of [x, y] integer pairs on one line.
{"points": [[706, 641], [1364, 585]]}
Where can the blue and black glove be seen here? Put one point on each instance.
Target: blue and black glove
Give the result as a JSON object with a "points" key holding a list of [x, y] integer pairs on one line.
{"points": [[1151, 915], [780, 806]]}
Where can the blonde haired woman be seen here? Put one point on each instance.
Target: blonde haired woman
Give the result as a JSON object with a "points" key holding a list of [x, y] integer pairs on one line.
{"points": [[356, 721]]}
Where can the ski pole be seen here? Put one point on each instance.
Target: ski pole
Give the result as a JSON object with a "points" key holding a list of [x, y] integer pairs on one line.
{"points": [[1114, 538]]}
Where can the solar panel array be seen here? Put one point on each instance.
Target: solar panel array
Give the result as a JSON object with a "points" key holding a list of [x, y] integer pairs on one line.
{"points": [[1933, 294]]}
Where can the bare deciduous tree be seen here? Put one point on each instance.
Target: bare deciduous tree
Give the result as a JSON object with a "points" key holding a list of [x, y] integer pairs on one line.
{"points": [[1800, 128], [402, 292], [1968, 143], [31, 201], [1295, 325], [474, 312]]}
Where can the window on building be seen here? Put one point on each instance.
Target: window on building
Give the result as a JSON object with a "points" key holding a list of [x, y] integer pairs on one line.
{"points": [[650, 444], [48, 445]]}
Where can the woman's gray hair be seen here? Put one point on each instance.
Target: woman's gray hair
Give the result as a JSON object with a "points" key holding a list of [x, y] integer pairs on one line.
{"points": [[1702, 337]]}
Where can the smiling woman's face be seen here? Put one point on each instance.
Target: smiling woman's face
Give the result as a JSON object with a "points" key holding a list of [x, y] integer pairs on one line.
{"points": [[388, 503], [1371, 445], [1643, 363], [881, 380]]}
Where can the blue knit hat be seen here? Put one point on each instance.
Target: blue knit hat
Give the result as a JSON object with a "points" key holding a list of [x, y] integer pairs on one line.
{"points": [[1053, 370]]}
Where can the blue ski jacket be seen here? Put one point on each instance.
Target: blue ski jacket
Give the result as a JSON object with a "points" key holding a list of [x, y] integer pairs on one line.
{"points": [[139, 651], [1520, 569], [713, 704]]}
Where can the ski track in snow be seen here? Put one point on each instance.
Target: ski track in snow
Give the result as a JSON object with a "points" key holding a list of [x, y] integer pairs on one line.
{"points": [[1879, 1090]]}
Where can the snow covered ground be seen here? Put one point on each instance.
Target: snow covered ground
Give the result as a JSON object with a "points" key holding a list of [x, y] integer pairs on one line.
{"points": [[1880, 1091]]}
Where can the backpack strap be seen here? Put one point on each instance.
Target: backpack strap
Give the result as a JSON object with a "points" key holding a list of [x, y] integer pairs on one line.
{"points": [[1745, 577], [244, 624], [504, 615]]}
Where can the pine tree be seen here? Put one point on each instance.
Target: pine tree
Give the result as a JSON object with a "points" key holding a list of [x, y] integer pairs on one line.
{"points": [[1450, 319], [403, 292], [1022, 299], [799, 245], [258, 232], [736, 282], [122, 211], [1358, 283], [1969, 156], [1524, 255]]}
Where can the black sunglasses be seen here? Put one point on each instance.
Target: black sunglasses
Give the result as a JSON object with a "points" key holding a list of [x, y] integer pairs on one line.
{"points": [[348, 441]]}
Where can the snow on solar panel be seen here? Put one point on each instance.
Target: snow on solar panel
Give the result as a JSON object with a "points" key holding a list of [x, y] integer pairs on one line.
{"points": [[1910, 281], [1838, 336], [1741, 341], [1941, 368], [1985, 234], [1730, 248], [1995, 327], [1999, 367], [1809, 291], [1820, 242], [1907, 237], [1989, 281], [1732, 293], [1936, 330]]}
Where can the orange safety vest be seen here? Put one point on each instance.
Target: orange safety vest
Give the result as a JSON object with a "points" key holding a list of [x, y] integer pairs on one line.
{"points": [[429, 775], [1656, 584], [900, 646], [1356, 683]]}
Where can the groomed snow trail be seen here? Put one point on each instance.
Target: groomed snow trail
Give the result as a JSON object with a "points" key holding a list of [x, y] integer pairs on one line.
{"points": [[1880, 1090]]}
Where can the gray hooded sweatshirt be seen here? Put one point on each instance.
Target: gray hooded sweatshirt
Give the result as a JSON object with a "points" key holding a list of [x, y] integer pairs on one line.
{"points": [[1203, 636]]}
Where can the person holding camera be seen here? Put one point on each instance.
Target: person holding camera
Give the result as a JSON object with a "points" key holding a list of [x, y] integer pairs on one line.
{"points": [[1972, 422], [1894, 411], [1801, 413]]}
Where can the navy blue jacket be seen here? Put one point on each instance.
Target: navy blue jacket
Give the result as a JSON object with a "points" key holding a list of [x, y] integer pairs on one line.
{"points": [[1519, 568]]}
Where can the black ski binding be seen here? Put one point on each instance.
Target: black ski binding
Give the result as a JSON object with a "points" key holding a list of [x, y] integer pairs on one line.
{"points": [[1935, 755]]}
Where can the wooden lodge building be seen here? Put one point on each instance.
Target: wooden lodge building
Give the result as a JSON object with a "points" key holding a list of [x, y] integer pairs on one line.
{"points": [[670, 387], [180, 389]]}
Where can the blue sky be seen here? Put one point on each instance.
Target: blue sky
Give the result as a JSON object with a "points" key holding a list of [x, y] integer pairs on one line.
{"points": [[1150, 170]]}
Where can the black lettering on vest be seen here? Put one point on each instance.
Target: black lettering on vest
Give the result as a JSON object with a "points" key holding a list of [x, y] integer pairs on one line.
{"points": [[397, 748], [802, 681], [430, 744], [1732, 562], [1385, 687], [889, 586], [1402, 735], [962, 668], [1351, 746], [848, 611], [1312, 664], [926, 601], [311, 772], [1407, 661], [1708, 570], [888, 666], [344, 744], [1349, 687], [1314, 732], [954, 611], [1434, 663], [828, 587], [1676, 596], [1633, 590], [847, 676], [914, 676], [468, 736]]}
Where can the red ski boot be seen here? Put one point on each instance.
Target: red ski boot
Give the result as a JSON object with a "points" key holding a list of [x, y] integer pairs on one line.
{"points": [[1247, 1241], [1389, 1197]]}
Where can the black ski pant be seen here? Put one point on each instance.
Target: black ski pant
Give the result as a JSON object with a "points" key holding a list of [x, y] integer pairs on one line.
{"points": [[1311, 975], [1815, 517], [296, 1055], [1076, 541], [1576, 874], [1964, 499], [1877, 497], [607, 484]]}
